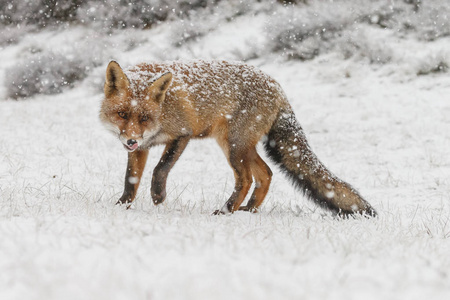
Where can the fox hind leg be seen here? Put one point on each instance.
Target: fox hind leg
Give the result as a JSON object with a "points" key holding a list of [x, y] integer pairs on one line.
{"points": [[240, 163], [263, 176]]}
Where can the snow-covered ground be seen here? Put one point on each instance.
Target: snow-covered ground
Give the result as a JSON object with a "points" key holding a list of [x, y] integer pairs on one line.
{"points": [[381, 127]]}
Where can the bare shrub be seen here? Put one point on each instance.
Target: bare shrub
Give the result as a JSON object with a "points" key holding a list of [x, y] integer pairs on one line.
{"points": [[44, 73]]}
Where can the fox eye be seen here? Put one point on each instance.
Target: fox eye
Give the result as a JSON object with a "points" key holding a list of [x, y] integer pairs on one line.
{"points": [[144, 118], [123, 115]]}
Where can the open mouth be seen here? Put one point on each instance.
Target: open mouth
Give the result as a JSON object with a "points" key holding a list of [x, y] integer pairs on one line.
{"points": [[131, 148]]}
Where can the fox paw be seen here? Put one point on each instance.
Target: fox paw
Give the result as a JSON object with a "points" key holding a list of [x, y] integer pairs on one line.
{"points": [[158, 193], [125, 200], [220, 212], [249, 209], [158, 198], [126, 203]]}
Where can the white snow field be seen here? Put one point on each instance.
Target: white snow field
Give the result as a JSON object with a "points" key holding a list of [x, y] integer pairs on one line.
{"points": [[381, 127]]}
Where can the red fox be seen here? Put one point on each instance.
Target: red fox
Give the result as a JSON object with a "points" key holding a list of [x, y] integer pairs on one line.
{"points": [[169, 103]]}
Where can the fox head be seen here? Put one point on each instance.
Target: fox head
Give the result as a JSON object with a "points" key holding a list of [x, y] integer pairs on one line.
{"points": [[133, 114]]}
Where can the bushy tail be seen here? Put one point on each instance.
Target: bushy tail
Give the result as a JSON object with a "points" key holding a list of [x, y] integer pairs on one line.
{"points": [[287, 146]]}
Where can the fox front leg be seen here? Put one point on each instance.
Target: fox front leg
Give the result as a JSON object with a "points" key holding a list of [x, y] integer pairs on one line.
{"points": [[172, 152], [135, 167]]}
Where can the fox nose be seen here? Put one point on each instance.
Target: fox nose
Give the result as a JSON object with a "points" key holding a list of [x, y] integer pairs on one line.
{"points": [[131, 142]]}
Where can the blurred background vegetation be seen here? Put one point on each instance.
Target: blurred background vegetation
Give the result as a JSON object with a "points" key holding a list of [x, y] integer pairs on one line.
{"points": [[294, 30]]}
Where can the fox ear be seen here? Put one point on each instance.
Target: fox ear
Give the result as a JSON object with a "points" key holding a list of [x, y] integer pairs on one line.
{"points": [[157, 90], [116, 80]]}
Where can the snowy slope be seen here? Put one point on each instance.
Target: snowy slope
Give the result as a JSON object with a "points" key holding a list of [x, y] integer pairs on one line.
{"points": [[380, 127]]}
